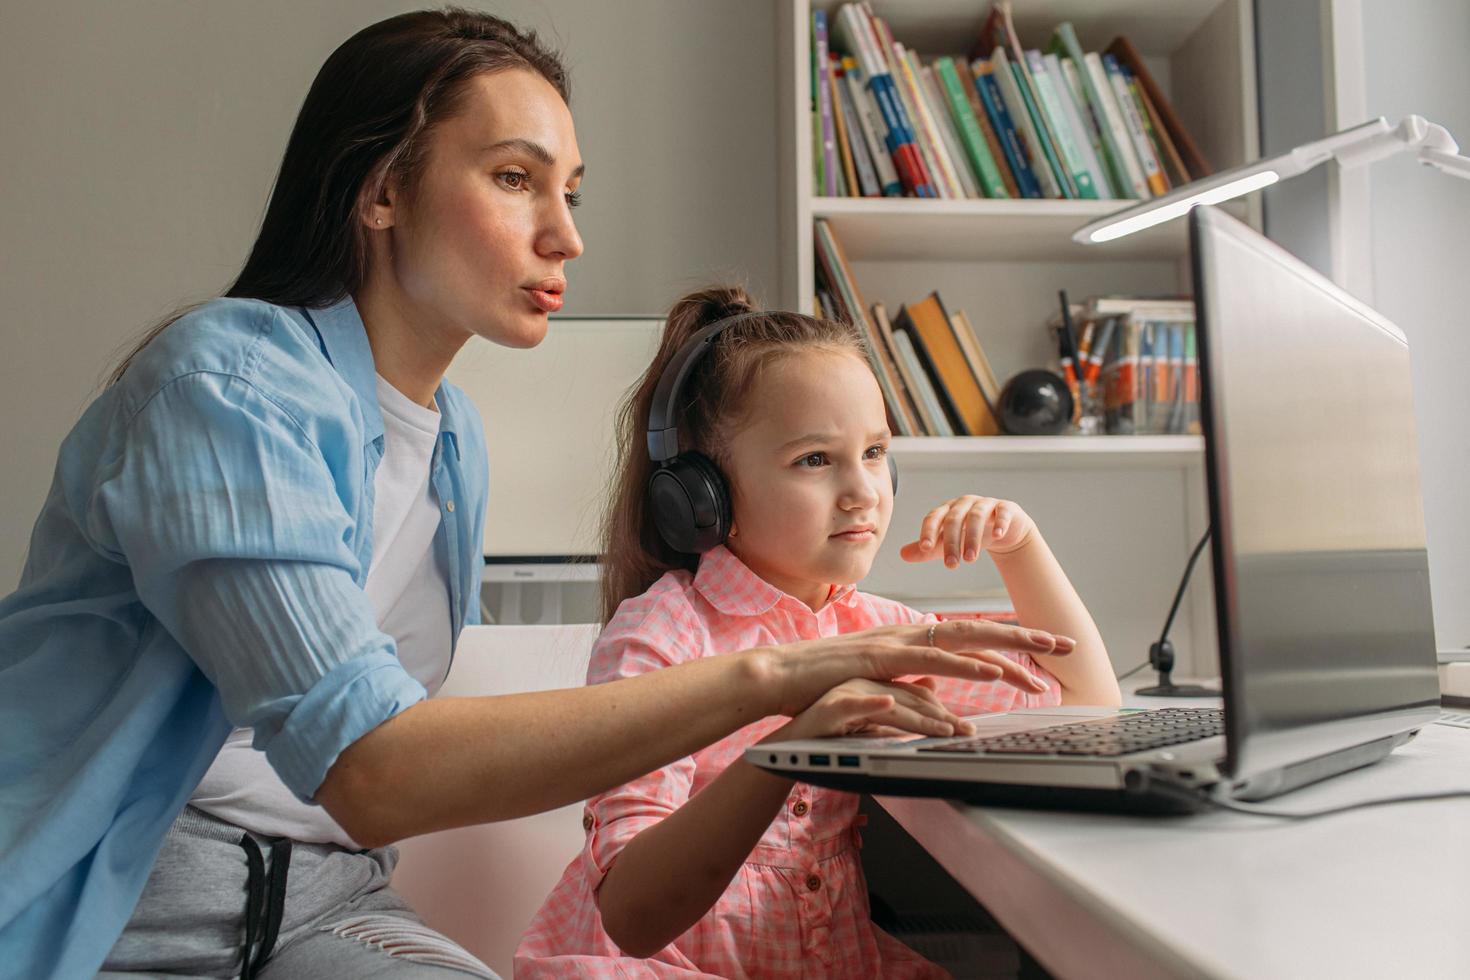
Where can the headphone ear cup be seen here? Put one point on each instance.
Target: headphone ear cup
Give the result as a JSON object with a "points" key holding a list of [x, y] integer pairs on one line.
{"points": [[893, 471], [690, 503]]}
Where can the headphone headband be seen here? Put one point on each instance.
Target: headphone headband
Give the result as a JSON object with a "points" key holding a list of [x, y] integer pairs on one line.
{"points": [[663, 429]]}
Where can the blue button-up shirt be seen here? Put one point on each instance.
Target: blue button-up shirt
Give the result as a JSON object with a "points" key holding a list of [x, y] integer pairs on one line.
{"points": [[199, 564]]}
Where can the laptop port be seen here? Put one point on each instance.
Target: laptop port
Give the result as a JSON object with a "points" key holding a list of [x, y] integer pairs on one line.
{"points": [[851, 761], [819, 760]]}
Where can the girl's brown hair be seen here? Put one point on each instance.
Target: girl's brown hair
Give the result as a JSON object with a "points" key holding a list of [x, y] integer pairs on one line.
{"points": [[365, 122], [712, 403]]}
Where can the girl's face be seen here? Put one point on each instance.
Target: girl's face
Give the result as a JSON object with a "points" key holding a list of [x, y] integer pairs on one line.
{"points": [[810, 488], [481, 243]]}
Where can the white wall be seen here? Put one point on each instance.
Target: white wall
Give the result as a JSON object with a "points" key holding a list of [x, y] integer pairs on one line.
{"points": [[140, 141], [1416, 63]]}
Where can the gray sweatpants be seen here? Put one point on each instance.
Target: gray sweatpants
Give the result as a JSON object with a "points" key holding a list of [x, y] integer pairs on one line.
{"points": [[339, 918]]}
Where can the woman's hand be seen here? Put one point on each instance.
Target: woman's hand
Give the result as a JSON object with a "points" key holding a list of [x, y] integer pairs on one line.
{"points": [[961, 528], [861, 706], [801, 673]]}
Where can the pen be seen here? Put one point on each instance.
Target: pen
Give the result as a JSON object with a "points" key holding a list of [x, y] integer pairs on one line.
{"points": [[1071, 366]]}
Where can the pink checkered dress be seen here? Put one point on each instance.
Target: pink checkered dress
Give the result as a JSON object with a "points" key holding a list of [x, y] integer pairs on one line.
{"points": [[799, 906]]}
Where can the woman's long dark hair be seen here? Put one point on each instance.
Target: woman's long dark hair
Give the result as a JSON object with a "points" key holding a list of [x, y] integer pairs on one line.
{"points": [[364, 123]]}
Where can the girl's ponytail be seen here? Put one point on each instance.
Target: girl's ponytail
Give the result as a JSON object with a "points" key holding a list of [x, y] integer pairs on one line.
{"points": [[711, 401]]}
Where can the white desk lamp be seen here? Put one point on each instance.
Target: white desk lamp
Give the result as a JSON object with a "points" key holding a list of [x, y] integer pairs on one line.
{"points": [[1353, 147]]}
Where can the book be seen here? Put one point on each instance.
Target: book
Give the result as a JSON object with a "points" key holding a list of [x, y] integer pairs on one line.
{"points": [[884, 44], [924, 423], [1123, 50], [1086, 141], [1064, 42], [1174, 169], [931, 150], [979, 367], [858, 151], [844, 288], [1089, 123], [924, 388], [982, 119], [948, 134], [1000, 30], [977, 148], [855, 33], [849, 186], [928, 324], [1066, 138], [869, 123], [824, 103], [1112, 115], [1016, 108], [1010, 139], [1152, 174]]}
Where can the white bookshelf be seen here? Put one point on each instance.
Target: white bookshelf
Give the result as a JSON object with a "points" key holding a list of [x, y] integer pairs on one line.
{"points": [[1121, 512]]}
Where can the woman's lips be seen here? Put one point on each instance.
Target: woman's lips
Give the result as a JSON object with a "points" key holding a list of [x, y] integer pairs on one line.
{"points": [[548, 301]]}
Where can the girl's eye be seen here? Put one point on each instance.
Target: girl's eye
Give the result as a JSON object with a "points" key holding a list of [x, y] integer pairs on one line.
{"points": [[813, 459], [876, 452], [574, 198]]}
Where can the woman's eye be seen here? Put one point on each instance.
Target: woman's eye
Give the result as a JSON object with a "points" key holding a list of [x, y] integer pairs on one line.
{"points": [[514, 179], [574, 198]]}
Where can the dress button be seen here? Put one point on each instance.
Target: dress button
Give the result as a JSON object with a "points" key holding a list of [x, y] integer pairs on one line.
{"points": [[813, 882], [449, 507], [800, 808]]}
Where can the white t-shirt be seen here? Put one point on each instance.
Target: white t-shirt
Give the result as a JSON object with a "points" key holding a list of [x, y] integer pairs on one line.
{"points": [[408, 586]]}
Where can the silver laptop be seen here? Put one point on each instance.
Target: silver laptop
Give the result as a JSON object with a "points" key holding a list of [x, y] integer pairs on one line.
{"points": [[1327, 647]]}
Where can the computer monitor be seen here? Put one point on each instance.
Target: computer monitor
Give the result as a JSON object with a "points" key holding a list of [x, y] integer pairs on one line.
{"points": [[1326, 633]]}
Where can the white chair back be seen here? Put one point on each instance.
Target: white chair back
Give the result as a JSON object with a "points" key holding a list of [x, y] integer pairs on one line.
{"points": [[481, 885]]}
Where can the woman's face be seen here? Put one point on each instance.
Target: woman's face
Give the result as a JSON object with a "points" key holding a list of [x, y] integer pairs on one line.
{"points": [[480, 243], [811, 492]]}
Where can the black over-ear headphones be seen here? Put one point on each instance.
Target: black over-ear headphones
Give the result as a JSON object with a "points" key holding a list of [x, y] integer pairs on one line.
{"points": [[686, 491]]}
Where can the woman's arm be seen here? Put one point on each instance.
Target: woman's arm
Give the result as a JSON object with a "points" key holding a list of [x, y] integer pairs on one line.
{"points": [[452, 762]]}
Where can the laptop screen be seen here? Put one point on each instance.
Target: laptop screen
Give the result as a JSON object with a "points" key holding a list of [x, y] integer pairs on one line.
{"points": [[1322, 583]]}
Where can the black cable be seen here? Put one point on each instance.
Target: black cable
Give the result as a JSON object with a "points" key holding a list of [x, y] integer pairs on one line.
{"points": [[1196, 796], [1184, 583], [1129, 673]]}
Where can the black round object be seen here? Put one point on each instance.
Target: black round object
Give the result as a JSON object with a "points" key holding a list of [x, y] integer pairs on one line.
{"points": [[1035, 403]]}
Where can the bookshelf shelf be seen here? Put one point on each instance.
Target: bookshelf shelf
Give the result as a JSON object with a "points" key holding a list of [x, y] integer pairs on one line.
{"points": [[985, 230], [1048, 452]]}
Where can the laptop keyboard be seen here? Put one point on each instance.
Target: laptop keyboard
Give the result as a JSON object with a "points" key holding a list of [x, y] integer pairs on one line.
{"points": [[1118, 735]]}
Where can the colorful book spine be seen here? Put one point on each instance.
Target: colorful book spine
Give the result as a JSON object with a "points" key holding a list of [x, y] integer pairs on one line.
{"points": [[1069, 153], [944, 122], [867, 176], [1089, 123], [992, 143], [824, 103], [1015, 104], [869, 123], [1000, 119], [854, 30], [1112, 115], [1064, 42], [848, 186], [1074, 110], [926, 393], [940, 172], [1152, 174], [973, 137]]}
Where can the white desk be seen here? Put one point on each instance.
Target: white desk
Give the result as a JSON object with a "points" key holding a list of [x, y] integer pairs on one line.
{"points": [[1373, 893]]}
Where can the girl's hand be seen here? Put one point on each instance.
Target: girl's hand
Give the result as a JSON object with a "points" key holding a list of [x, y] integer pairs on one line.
{"points": [[867, 707], [961, 528]]}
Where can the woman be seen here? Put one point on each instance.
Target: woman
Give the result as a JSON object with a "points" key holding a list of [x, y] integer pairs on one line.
{"points": [[269, 523]]}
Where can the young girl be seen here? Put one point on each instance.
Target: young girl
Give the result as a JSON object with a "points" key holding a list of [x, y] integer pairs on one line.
{"points": [[710, 866]]}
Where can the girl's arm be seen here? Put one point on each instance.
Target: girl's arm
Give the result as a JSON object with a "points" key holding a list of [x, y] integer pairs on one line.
{"points": [[452, 762], [672, 872], [960, 529]]}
